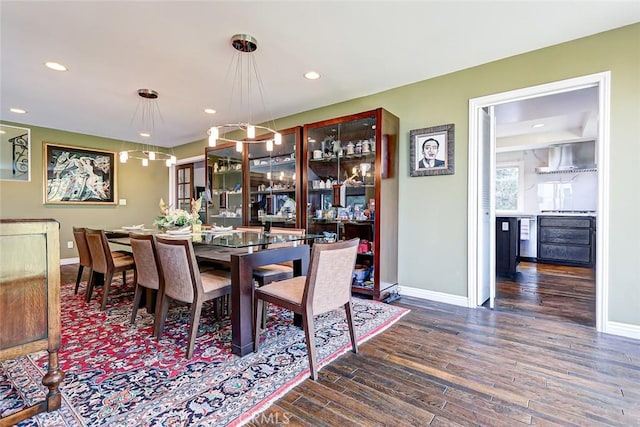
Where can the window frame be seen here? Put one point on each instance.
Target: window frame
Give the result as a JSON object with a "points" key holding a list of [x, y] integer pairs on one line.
{"points": [[519, 164]]}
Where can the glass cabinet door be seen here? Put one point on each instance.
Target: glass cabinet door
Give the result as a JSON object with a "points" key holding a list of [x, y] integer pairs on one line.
{"points": [[273, 198], [341, 176], [223, 193]]}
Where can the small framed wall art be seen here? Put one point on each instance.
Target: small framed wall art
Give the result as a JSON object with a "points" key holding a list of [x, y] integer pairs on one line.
{"points": [[432, 151]]}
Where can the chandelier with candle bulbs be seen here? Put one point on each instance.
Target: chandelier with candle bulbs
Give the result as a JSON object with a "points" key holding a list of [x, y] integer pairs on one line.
{"points": [[245, 63], [148, 108]]}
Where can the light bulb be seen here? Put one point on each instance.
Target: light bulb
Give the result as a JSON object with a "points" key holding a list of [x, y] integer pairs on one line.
{"points": [[251, 131], [269, 145], [145, 162], [213, 136], [152, 155], [239, 146], [278, 138]]}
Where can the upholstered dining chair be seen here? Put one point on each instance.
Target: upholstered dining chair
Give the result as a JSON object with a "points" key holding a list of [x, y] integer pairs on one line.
{"points": [[105, 262], [326, 287], [85, 255], [184, 282], [272, 272], [149, 276]]}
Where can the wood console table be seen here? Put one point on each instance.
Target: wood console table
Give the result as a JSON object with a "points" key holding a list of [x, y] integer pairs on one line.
{"points": [[30, 301]]}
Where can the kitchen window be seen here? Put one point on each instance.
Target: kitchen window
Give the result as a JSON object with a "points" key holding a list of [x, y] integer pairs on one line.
{"points": [[510, 187]]}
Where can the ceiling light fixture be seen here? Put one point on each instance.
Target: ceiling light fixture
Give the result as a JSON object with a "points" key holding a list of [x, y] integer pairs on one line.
{"points": [[538, 125], [245, 64], [55, 66], [18, 110], [150, 107], [311, 75]]}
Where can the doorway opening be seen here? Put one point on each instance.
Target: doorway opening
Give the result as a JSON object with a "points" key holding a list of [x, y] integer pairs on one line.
{"points": [[482, 191]]}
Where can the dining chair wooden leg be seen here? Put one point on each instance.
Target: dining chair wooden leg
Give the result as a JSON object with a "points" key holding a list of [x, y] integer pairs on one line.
{"points": [[352, 332], [137, 296], [162, 315], [105, 290], [80, 270], [309, 332], [196, 308], [157, 314], [89, 291]]}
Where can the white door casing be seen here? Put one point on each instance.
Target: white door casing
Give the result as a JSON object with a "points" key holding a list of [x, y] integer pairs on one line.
{"points": [[477, 184]]}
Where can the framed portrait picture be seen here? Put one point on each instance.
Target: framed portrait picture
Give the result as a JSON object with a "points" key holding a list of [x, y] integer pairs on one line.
{"points": [[431, 151], [76, 175]]}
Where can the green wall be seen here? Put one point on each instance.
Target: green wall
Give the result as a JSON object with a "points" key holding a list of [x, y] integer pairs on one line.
{"points": [[433, 210], [140, 187]]}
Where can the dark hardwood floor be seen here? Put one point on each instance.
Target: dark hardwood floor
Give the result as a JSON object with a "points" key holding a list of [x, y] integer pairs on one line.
{"points": [[554, 291], [444, 365]]}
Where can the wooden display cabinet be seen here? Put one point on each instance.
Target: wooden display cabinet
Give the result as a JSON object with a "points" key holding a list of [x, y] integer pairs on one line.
{"points": [[224, 183], [273, 181], [30, 301], [350, 189]]}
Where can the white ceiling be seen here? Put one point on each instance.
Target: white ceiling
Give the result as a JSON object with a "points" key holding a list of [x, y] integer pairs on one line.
{"points": [[181, 49], [562, 117]]}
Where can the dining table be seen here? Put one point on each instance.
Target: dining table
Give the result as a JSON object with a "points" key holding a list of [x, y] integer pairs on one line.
{"points": [[241, 252]]}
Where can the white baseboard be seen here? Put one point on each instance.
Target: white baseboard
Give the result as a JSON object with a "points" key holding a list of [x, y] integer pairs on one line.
{"points": [[433, 296], [67, 261], [613, 328], [623, 329]]}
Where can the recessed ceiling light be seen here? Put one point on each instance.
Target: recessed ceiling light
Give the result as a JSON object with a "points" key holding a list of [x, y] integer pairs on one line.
{"points": [[311, 75], [538, 125], [209, 111], [145, 134], [18, 110], [55, 66]]}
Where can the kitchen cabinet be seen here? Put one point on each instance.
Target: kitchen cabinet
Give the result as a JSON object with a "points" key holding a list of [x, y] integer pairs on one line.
{"points": [[223, 186], [568, 240], [350, 189], [30, 302], [273, 181], [507, 246]]}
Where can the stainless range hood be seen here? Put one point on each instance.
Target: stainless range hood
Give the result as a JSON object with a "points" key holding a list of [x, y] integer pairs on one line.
{"points": [[570, 157]]}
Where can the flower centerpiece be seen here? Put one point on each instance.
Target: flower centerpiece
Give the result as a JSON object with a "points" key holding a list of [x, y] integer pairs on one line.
{"points": [[177, 218]]}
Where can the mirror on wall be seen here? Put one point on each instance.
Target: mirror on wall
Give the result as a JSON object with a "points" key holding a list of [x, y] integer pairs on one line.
{"points": [[15, 153]]}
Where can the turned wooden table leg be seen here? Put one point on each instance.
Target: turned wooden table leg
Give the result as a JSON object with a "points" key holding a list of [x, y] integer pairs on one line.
{"points": [[52, 380]]}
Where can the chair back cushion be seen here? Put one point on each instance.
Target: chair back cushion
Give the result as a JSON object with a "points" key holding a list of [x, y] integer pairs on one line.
{"points": [[144, 253], [330, 274], [99, 249], [179, 267], [82, 246], [251, 228], [284, 230]]}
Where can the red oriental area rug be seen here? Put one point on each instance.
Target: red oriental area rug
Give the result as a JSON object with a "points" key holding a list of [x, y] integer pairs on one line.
{"points": [[117, 374]]}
